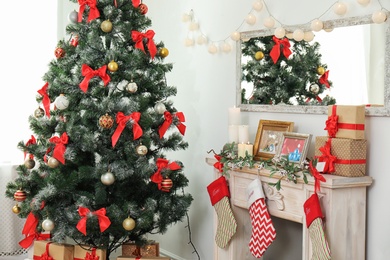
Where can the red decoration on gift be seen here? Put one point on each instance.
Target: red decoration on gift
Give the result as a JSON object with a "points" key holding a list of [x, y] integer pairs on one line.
{"points": [[168, 121], [138, 39], [104, 221], [45, 255], [121, 120], [46, 99], [332, 124], [92, 255], [28, 143], [163, 164], [89, 73], [327, 157], [317, 177], [275, 52], [218, 165], [324, 79], [59, 149], [93, 11], [29, 230]]}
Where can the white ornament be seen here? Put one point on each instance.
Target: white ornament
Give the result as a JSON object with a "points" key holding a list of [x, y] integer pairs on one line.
{"points": [[280, 32], [340, 8], [379, 17], [225, 47], [257, 5], [314, 88], [298, 35], [160, 108], [108, 178], [269, 22], [317, 25], [250, 19], [364, 2], [212, 48], [132, 87], [61, 102], [73, 16], [308, 36], [201, 39], [47, 225], [235, 36]]}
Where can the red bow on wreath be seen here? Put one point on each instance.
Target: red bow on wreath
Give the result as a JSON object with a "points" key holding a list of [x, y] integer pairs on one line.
{"points": [[121, 120], [46, 99], [163, 164], [168, 121], [89, 73], [324, 79], [104, 221], [275, 52], [28, 143], [93, 11], [59, 149], [138, 39]]}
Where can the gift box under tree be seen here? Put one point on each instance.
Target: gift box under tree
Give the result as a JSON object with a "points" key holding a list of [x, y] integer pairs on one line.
{"points": [[346, 121], [131, 249], [342, 156], [57, 251], [82, 252], [142, 258]]}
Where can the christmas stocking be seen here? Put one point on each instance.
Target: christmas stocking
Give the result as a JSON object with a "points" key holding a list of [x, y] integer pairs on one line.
{"points": [[314, 223], [227, 225], [263, 231]]}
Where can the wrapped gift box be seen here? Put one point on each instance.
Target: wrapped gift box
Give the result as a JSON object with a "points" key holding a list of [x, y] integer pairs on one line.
{"points": [[349, 155], [56, 251], [151, 249], [350, 123], [81, 251], [142, 258]]}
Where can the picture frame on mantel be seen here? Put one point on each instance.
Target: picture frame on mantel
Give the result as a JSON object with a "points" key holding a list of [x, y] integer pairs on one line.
{"points": [[293, 146], [268, 138]]}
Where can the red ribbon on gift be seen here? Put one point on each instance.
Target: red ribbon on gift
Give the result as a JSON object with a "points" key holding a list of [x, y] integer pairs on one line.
{"points": [[29, 239], [136, 3], [46, 99], [168, 121], [332, 124], [104, 221], [275, 52], [163, 164], [138, 39], [327, 157], [218, 165], [317, 177], [92, 255], [89, 73], [59, 149], [93, 11], [324, 79], [28, 143], [45, 255], [121, 120]]}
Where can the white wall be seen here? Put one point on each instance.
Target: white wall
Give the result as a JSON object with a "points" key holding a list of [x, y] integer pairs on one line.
{"points": [[206, 89]]}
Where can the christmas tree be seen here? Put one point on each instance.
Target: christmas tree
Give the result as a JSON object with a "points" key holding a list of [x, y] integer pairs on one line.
{"points": [[95, 169], [284, 71]]}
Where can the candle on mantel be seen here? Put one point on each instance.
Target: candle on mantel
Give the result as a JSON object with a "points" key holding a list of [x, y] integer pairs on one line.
{"points": [[243, 134], [233, 133], [234, 116], [249, 148], [241, 150]]}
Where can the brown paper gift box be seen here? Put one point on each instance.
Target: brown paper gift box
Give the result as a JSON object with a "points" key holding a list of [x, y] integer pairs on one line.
{"points": [[350, 154], [351, 121], [142, 258], [80, 252], [151, 249], [56, 251]]}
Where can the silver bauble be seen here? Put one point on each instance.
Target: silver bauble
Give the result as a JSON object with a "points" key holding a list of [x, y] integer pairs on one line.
{"points": [[108, 178]]}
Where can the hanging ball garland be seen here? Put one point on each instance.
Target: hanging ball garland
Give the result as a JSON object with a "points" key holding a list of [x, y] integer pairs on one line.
{"points": [[143, 8], [29, 163], [141, 149], [128, 224], [16, 209], [48, 225], [112, 66], [163, 52], [61, 102], [39, 112], [132, 87], [106, 121], [106, 26], [166, 184], [259, 55], [59, 53], [320, 70], [53, 162], [20, 195], [108, 178]]}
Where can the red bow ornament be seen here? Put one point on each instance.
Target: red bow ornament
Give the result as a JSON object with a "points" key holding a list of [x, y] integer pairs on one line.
{"points": [[168, 121], [218, 165], [59, 149], [104, 221], [28, 143], [317, 177], [327, 157], [138, 39], [46, 99], [163, 164], [121, 120], [324, 79], [89, 73], [275, 52], [93, 11]]}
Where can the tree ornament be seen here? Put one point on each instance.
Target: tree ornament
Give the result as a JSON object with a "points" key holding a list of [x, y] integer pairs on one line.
{"points": [[20, 195], [48, 225], [163, 52], [73, 16], [128, 224], [112, 66], [74, 41], [59, 53], [132, 87], [106, 121], [259, 55], [16, 209], [29, 163], [53, 162], [141, 149], [166, 184], [39, 112], [143, 8], [314, 88], [108, 178], [320, 70], [106, 26], [160, 108], [61, 102]]}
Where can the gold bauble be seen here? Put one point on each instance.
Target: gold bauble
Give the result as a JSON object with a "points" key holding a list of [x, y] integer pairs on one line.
{"points": [[112, 66], [29, 163], [141, 149], [106, 26], [320, 70], [53, 162], [163, 52], [16, 209], [259, 55], [128, 224], [106, 121], [39, 112]]}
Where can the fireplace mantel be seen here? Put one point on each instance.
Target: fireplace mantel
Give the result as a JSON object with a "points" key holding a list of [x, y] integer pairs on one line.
{"points": [[343, 202]]}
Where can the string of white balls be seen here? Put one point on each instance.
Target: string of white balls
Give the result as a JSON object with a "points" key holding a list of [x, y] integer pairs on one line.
{"points": [[224, 46]]}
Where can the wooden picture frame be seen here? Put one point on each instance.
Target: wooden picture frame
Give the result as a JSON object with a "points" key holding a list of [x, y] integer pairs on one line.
{"points": [[269, 133], [293, 146]]}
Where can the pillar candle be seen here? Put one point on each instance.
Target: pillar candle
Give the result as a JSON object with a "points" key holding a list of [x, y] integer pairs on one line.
{"points": [[249, 148], [233, 133], [234, 116], [243, 134], [241, 150]]}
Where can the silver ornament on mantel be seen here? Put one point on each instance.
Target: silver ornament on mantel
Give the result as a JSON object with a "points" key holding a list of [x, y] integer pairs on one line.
{"points": [[108, 178], [160, 108]]}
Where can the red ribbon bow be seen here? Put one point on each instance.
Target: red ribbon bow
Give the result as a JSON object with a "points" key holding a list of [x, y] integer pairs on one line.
{"points": [[327, 157], [121, 120], [136, 3], [28, 143], [46, 99], [218, 165], [275, 52], [29, 230], [168, 121], [331, 124], [317, 177], [93, 11], [163, 164], [92, 255], [45, 255], [104, 221], [89, 73], [138, 39], [59, 149], [324, 79]]}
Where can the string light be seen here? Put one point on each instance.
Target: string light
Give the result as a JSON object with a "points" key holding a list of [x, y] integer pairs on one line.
{"points": [[280, 30]]}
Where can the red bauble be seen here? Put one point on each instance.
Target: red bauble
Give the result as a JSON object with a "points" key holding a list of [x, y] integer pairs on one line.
{"points": [[59, 52], [166, 184], [20, 195], [143, 8]]}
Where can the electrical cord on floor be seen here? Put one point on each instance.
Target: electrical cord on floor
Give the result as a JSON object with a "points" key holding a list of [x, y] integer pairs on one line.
{"points": [[189, 236]]}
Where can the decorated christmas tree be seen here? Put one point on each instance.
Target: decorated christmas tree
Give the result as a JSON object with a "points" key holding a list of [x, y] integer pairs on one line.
{"points": [[284, 71], [95, 168]]}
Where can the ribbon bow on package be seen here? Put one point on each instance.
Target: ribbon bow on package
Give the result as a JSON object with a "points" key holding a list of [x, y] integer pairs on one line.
{"points": [[104, 221], [93, 11], [163, 164], [138, 38], [168, 121], [121, 120], [275, 52]]}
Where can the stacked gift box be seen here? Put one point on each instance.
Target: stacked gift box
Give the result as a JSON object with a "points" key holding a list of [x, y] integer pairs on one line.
{"points": [[343, 151], [151, 250]]}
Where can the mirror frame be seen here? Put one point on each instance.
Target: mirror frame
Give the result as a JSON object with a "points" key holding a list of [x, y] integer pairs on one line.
{"points": [[358, 20]]}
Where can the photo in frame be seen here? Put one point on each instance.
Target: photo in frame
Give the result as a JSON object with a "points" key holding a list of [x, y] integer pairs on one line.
{"points": [[268, 138], [293, 146]]}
